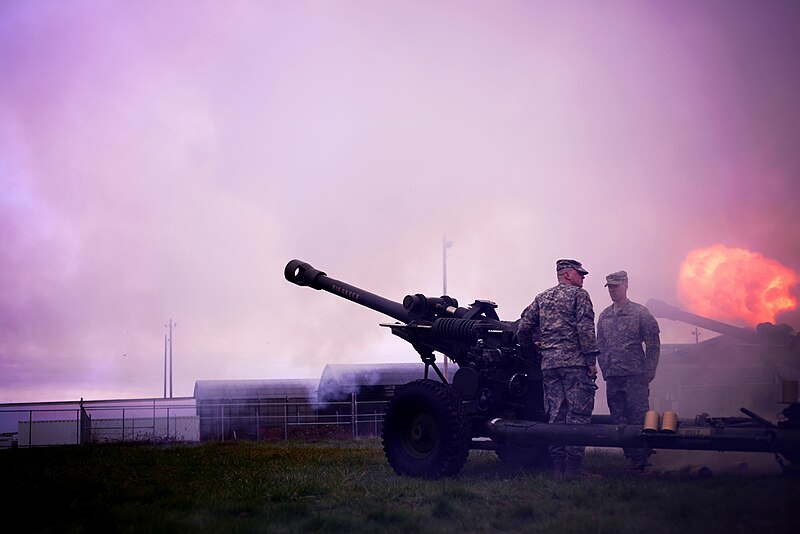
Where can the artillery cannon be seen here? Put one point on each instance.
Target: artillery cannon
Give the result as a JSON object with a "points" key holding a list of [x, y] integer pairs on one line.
{"points": [[765, 334], [775, 347], [495, 400], [429, 425]]}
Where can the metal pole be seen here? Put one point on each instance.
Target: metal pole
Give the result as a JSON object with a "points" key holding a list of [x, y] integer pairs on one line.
{"points": [[170, 358], [445, 245], [696, 333], [165, 366]]}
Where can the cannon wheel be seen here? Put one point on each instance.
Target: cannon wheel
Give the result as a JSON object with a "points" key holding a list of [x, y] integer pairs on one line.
{"points": [[425, 431]]}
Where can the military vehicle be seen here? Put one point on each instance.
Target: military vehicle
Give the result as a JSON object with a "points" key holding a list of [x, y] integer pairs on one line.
{"points": [[495, 401]]}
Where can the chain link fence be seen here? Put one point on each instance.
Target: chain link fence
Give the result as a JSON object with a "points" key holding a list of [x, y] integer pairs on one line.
{"points": [[187, 420]]}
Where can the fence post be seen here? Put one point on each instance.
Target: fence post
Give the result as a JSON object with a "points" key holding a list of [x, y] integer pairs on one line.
{"points": [[258, 426], [85, 424], [353, 408], [286, 419]]}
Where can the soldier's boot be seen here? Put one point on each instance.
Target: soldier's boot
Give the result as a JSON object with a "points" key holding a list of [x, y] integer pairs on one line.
{"points": [[639, 459], [558, 469], [574, 470]]}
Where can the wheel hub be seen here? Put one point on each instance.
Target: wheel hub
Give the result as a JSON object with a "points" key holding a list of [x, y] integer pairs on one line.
{"points": [[421, 437]]}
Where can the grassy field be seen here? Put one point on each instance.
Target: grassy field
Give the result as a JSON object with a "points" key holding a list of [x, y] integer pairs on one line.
{"points": [[346, 486]]}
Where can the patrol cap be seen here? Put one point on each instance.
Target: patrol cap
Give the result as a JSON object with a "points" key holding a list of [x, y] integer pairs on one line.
{"points": [[617, 278], [570, 264]]}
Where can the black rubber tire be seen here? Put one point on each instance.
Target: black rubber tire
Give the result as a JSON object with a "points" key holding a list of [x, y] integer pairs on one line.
{"points": [[425, 431]]}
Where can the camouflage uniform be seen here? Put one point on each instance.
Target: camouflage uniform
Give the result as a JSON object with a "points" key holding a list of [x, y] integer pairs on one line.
{"points": [[561, 322], [627, 368]]}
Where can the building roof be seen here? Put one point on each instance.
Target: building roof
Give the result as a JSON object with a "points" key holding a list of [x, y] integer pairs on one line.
{"points": [[255, 389], [751, 362], [343, 379], [337, 380]]}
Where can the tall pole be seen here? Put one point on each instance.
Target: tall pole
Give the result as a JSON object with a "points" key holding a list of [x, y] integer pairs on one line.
{"points": [[445, 245], [170, 358], [171, 324], [165, 366], [696, 333]]}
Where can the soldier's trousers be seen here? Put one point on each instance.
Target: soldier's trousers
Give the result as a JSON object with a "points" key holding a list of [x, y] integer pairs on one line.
{"points": [[628, 401], [569, 398]]}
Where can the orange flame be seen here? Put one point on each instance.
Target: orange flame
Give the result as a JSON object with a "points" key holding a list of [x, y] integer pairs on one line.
{"points": [[730, 284]]}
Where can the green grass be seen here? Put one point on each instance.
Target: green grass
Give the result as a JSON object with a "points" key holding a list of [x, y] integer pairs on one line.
{"points": [[347, 486]]}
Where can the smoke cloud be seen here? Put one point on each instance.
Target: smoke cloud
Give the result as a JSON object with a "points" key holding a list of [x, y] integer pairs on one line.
{"points": [[165, 160]]}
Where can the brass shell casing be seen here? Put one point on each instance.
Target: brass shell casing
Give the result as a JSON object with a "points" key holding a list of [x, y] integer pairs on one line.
{"points": [[650, 421], [669, 422]]}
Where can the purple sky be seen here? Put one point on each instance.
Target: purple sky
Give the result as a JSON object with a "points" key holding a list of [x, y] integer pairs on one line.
{"points": [[164, 160]]}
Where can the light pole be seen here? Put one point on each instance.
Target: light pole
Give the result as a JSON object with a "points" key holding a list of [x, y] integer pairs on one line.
{"points": [[445, 245], [165, 365], [170, 325], [696, 333]]}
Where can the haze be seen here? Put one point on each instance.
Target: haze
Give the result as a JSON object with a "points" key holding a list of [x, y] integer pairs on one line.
{"points": [[164, 160]]}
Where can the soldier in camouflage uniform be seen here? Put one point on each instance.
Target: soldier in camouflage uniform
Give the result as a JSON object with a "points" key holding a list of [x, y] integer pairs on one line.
{"points": [[560, 323], [627, 368]]}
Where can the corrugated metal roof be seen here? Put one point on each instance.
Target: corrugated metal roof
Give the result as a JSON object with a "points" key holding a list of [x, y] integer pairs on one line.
{"points": [[338, 379], [723, 349], [255, 389], [374, 374]]}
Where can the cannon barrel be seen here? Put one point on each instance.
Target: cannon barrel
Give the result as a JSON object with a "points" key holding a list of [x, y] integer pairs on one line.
{"points": [[303, 274], [662, 309]]}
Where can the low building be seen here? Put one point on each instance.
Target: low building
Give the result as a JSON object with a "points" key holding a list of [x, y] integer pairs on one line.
{"points": [[252, 409], [347, 401]]}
